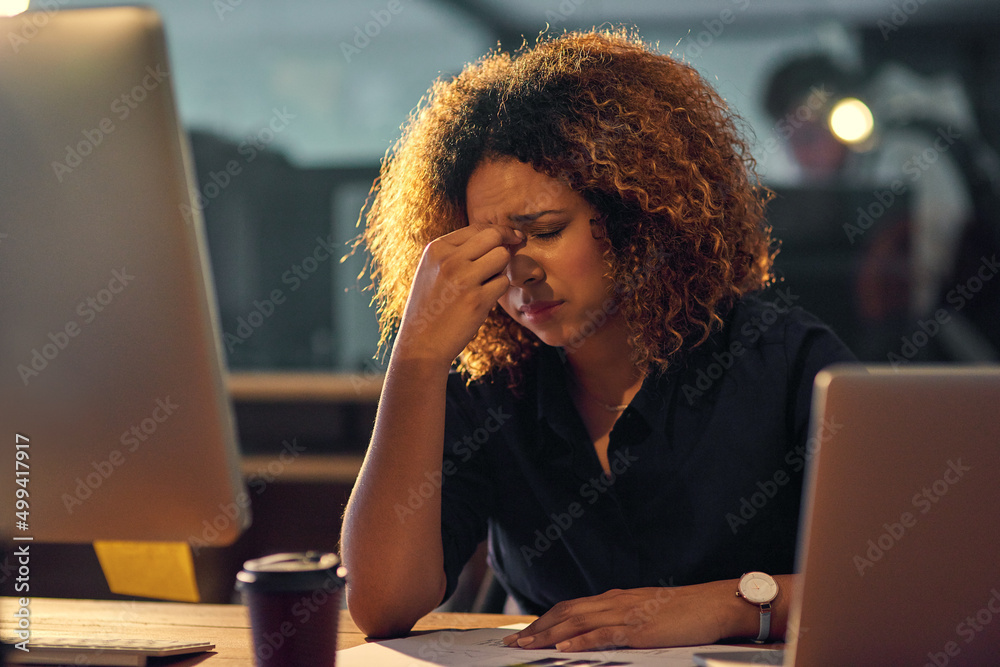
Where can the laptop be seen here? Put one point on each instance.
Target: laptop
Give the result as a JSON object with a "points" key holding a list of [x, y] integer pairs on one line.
{"points": [[899, 552]]}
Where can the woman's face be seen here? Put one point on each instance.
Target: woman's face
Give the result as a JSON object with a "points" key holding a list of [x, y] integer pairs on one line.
{"points": [[558, 284]]}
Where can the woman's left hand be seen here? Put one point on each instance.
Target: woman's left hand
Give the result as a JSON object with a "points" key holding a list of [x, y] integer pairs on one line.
{"points": [[642, 618]]}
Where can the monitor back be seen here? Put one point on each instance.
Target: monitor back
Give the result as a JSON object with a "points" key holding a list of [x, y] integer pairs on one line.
{"points": [[112, 368]]}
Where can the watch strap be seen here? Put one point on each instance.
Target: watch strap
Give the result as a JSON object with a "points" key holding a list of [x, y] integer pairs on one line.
{"points": [[765, 623]]}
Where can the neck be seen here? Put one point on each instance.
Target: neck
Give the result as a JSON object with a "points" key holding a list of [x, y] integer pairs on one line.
{"points": [[603, 365]]}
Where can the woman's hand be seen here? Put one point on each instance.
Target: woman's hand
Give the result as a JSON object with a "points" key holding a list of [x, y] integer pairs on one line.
{"points": [[651, 617], [460, 277]]}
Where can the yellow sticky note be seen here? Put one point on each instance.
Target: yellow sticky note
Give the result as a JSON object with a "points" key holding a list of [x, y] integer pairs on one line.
{"points": [[163, 570]]}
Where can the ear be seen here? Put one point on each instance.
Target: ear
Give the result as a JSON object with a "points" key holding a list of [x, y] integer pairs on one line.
{"points": [[597, 227]]}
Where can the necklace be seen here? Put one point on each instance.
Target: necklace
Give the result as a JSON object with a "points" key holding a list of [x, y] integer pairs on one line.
{"points": [[610, 407]]}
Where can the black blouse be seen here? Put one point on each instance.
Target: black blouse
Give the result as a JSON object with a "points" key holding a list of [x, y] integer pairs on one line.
{"points": [[706, 466]]}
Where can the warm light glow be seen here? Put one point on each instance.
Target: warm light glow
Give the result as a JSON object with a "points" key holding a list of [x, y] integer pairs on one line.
{"points": [[12, 7], [851, 121]]}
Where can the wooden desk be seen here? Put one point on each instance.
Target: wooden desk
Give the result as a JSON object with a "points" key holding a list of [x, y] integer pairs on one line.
{"points": [[286, 386], [228, 626]]}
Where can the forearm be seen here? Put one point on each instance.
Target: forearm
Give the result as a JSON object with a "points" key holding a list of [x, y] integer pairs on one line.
{"points": [[394, 558], [655, 616], [392, 550]]}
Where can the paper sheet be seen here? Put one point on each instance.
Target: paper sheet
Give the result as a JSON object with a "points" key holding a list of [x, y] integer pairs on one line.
{"points": [[484, 648]]}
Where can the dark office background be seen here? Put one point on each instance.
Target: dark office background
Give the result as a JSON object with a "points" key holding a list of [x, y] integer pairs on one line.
{"points": [[291, 106]]}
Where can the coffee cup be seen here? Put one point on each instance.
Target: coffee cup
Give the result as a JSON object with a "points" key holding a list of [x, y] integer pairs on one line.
{"points": [[294, 604]]}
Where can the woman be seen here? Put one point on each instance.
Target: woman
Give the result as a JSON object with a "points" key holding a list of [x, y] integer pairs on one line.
{"points": [[566, 243]]}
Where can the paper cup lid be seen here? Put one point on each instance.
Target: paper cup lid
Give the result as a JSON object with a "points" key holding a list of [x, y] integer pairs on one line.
{"points": [[292, 572]]}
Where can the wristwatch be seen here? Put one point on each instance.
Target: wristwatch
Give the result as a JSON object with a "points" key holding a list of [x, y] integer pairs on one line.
{"points": [[759, 589]]}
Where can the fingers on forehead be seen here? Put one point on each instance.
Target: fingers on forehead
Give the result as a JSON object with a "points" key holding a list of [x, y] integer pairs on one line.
{"points": [[504, 233]]}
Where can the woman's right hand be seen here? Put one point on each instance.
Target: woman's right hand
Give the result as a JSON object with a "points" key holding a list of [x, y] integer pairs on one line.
{"points": [[460, 277], [397, 561]]}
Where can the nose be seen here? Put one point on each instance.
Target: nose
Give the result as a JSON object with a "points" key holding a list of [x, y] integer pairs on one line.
{"points": [[523, 269]]}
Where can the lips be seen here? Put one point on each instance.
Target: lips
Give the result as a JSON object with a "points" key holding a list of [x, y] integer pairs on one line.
{"points": [[539, 310]]}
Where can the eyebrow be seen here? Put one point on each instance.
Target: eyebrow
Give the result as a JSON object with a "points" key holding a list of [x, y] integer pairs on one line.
{"points": [[532, 217]]}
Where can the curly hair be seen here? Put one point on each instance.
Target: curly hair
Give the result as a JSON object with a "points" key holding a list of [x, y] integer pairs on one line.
{"points": [[642, 137]]}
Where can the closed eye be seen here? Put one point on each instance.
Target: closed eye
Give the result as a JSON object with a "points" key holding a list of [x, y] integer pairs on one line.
{"points": [[546, 233]]}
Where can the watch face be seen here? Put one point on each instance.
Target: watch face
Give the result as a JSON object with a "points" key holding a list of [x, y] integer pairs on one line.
{"points": [[758, 587]]}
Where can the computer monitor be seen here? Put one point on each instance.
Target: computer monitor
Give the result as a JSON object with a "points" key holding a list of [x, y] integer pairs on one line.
{"points": [[115, 410]]}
